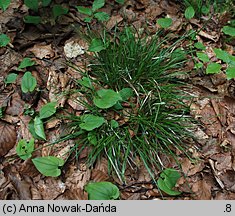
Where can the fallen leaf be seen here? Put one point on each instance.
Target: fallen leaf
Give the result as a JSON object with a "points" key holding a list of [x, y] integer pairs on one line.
{"points": [[202, 190], [42, 51], [7, 137]]}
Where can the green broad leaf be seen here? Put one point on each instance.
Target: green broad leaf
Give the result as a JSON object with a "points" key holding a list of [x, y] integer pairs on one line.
{"points": [[25, 149], [164, 22], [84, 10], [200, 46], [114, 124], [48, 166], [178, 55], [87, 19], [106, 98], [205, 9], [96, 45], [203, 57], [32, 4], [198, 65], [32, 19], [97, 4], [86, 82], [92, 138], [38, 127], [47, 110], [189, 12], [32, 130], [45, 3], [26, 62], [4, 4], [167, 181], [90, 122], [213, 68], [126, 93], [231, 60], [4, 40], [120, 1], [11, 78], [118, 106], [221, 54], [228, 30], [102, 191], [230, 72], [58, 10], [102, 16], [28, 82]]}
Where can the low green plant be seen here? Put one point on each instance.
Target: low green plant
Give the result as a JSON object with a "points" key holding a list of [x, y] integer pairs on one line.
{"points": [[134, 102], [214, 67], [28, 82], [11, 78], [167, 181], [4, 40], [93, 12], [102, 191], [164, 22], [36, 125]]}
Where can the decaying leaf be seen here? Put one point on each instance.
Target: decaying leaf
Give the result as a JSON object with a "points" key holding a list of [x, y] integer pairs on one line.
{"points": [[7, 137]]}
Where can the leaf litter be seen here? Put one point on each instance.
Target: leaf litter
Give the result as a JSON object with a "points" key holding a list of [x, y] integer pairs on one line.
{"points": [[213, 107]]}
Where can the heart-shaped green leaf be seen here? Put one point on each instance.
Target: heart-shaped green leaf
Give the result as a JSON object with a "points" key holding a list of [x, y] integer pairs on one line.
{"points": [[213, 68], [164, 22], [84, 10], [24, 149], [90, 122], [96, 45], [48, 166], [102, 191], [32, 4], [26, 62], [168, 179], [11, 78], [38, 127], [28, 82], [230, 72], [47, 110], [203, 57], [189, 12], [4, 40], [126, 93], [102, 16], [4, 4], [58, 10], [106, 98], [228, 30], [97, 4]]}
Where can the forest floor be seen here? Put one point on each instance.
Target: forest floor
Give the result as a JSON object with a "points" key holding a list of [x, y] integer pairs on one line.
{"points": [[212, 176]]}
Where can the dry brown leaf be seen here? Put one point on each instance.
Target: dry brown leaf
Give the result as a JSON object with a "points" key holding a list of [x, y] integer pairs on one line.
{"points": [[113, 21], [42, 51], [16, 106], [50, 188], [7, 137], [202, 190], [76, 101], [98, 176], [223, 161]]}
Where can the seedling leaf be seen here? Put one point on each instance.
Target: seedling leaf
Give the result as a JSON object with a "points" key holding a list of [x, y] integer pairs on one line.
{"points": [[38, 127], [189, 12], [11, 78], [164, 22], [47, 110], [221, 54], [48, 166], [45, 3], [24, 149], [4, 4], [90, 122], [203, 57], [32, 19], [126, 93], [228, 30], [32, 4], [4, 40], [230, 72], [106, 98], [213, 68], [200, 46], [28, 82], [96, 45], [26, 62], [168, 179], [102, 191], [101, 16], [97, 4], [58, 10], [84, 10]]}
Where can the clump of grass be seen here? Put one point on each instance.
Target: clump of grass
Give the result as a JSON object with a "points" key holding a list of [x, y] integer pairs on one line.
{"points": [[151, 121]]}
